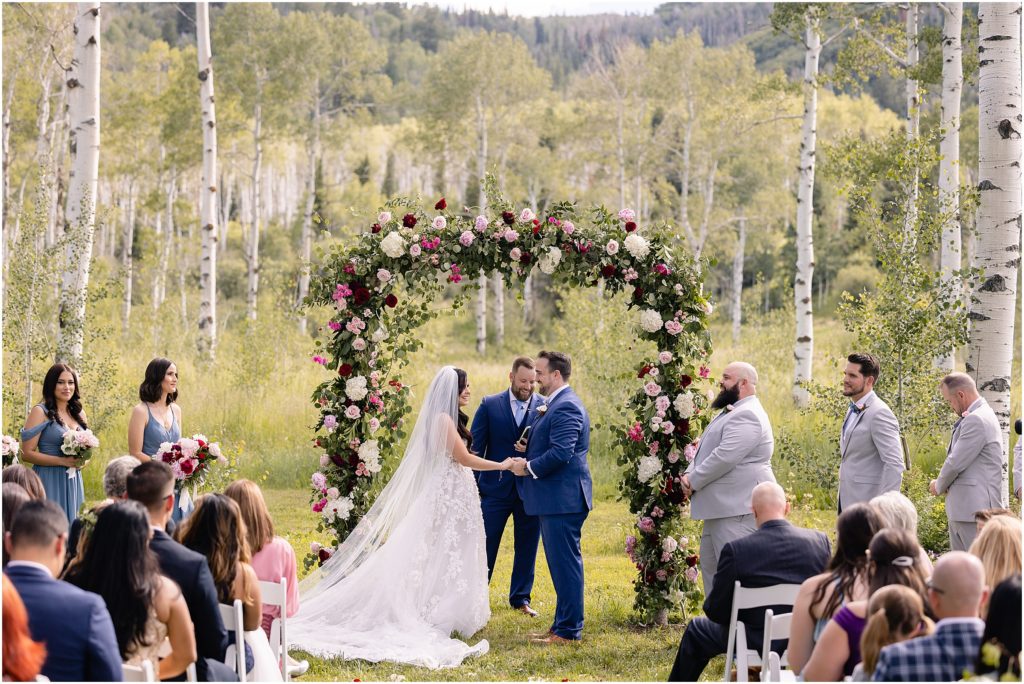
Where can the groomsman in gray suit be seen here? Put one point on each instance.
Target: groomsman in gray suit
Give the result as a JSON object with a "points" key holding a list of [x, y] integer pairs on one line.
{"points": [[869, 444], [972, 475], [733, 456]]}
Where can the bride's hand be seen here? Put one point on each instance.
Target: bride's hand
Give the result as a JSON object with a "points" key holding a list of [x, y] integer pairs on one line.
{"points": [[507, 464]]}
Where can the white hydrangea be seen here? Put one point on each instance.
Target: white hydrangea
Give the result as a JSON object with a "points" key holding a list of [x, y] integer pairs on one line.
{"points": [[339, 509], [650, 320], [636, 246], [549, 262], [355, 388], [379, 335], [648, 467], [684, 405], [393, 245]]}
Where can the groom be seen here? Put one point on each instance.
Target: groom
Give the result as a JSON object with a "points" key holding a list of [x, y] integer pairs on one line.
{"points": [[555, 485]]}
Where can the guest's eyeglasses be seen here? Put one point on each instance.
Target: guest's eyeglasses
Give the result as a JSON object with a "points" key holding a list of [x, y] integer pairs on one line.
{"points": [[934, 588]]}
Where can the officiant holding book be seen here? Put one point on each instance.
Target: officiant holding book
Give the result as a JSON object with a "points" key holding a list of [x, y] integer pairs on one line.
{"points": [[499, 422]]}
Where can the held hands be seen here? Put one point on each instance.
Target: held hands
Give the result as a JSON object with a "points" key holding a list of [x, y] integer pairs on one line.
{"points": [[933, 488], [687, 487], [518, 466]]}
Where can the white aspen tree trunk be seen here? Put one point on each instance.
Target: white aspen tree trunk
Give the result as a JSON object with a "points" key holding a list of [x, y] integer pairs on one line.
{"points": [[499, 309], [803, 349], [208, 204], [949, 147], [8, 102], [157, 297], [528, 300], [59, 132], [481, 171], [84, 83], [913, 115], [253, 251], [737, 279], [990, 356], [182, 258], [307, 220], [127, 264]]}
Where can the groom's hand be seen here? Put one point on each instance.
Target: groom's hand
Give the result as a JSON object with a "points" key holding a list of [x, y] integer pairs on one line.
{"points": [[687, 487], [519, 466]]}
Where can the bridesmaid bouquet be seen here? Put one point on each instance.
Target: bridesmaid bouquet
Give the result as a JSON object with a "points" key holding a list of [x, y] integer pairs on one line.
{"points": [[10, 450], [79, 444], [190, 458]]}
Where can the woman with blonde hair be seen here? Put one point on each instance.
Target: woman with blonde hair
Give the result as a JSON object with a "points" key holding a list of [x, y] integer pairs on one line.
{"points": [[895, 613], [999, 548]]}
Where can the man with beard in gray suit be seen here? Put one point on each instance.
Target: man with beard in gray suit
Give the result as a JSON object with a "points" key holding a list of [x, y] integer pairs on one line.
{"points": [[869, 444], [972, 475], [733, 456]]}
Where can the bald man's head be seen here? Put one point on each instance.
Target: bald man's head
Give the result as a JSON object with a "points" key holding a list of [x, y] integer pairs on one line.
{"points": [[957, 587], [739, 381], [768, 502]]}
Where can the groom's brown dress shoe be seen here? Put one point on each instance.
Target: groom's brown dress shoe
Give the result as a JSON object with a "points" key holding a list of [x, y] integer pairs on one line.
{"points": [[541, 635], [525, 608], [551, 640]]}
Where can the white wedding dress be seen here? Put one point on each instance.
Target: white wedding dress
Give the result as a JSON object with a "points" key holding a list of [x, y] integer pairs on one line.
{"points": [[415, 568]]}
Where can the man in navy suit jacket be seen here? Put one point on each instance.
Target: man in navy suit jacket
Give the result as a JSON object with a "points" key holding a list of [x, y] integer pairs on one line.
{"points": [[74, 624], [555, 485], [497, 425], [776, 553], [152, 485]]}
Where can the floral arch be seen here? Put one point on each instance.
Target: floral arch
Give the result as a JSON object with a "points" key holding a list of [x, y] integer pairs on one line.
{"points": [[380, 288]]}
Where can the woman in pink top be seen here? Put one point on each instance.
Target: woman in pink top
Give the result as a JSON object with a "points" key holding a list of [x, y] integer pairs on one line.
{"points": [[272, 557]]}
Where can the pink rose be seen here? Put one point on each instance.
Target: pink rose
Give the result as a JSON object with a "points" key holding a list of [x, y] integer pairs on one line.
{"points": [[646, 525], [352, 412], [383, 275], [689, 451], [652, 389], [662, 403], [657, 512], [318, 480], [690, 574], [627, 215], [661, 575], [314, 547], [415, 251], [568, 227], [525, 216], [636, 433], [516, 254], [612, 248], [466, 239], [510, 235], [330, 422], [439, 223], [359, 344], [480, 224], [673, 456], [666, 557], [382, 218], [665, 357], [673, 327], [374, 425], [362, 470], [653, 448], [324, 460]]}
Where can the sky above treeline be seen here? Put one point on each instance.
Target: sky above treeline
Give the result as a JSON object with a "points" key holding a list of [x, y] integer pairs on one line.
{"points": [[544, 8]]}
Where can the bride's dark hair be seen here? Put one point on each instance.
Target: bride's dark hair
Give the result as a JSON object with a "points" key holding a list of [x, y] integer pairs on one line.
{"points": [[464, 432]]}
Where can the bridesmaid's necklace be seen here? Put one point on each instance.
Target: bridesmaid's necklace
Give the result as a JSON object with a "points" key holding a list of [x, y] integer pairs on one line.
{"points": [[163, 418]]}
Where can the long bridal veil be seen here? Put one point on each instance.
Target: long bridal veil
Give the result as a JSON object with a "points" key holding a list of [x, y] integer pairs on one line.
{"points": [[401, 600]]}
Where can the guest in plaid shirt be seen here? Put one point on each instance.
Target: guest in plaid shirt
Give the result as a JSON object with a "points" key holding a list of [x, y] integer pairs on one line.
{"points": [[956, 591]]}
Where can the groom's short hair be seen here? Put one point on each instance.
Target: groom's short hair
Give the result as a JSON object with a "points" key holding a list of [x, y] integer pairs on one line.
{"points": [[557, 361], [522, 362]]}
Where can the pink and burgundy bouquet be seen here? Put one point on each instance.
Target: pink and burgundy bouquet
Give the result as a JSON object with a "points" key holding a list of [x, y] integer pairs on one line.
{"points": [[79, 445], [190, 458], [10, 450]]}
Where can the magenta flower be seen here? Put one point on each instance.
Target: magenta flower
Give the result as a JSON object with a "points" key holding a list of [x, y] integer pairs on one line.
{"points": [[704, 372], [334, 325], [319, 505], [319, 359], [627, 215], [636, 433], [646, 525]]}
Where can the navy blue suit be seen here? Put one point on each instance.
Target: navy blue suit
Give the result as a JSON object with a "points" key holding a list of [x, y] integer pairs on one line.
{"points": [[73, 623], [495, 431], [559, 491]]}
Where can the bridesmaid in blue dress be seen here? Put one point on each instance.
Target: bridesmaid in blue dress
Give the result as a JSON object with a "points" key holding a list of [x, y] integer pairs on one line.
{"points": [[157, 419], [60, 411]]}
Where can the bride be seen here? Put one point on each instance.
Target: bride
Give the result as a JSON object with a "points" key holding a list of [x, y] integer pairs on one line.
{"points": [[414, 570]]}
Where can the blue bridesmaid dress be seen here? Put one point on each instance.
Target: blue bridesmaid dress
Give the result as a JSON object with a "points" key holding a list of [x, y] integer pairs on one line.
{"points": [[153, 436], [66, 492]]}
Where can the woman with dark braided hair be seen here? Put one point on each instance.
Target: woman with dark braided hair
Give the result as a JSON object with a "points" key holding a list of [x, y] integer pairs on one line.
{"points": [[60, 411]]}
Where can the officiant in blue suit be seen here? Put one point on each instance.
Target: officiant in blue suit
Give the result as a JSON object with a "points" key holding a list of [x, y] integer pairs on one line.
{"points": [[498, 423]]}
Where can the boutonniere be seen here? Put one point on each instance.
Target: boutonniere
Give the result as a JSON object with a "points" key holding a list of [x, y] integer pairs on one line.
{"points": [[730, 407], [860, 407], [965, 414], [541, 410]]}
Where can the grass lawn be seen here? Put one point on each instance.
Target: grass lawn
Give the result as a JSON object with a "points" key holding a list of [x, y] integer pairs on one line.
{"points": [[614, 647]]}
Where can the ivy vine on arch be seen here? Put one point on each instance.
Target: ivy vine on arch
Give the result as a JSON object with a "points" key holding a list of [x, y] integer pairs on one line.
{"points": [[379, 289]]}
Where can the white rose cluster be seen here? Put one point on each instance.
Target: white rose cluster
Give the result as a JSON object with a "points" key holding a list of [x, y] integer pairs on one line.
{"points": [[648, 467], [337, 509], [355, 388], [549, 262], [393, 245], [369, 453], [684, 405], [379, 335], [637, 246], [650, 320]]}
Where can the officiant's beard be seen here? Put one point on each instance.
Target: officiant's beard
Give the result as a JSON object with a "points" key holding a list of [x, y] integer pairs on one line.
{"points": [[728, 395]]}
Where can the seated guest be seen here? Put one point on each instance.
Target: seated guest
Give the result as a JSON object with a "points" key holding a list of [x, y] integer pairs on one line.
{"points": [[22, 657], [215, 529], [272, 557], [981, 518], [147, 608], [893, 560], [896, 510], [956, 591], [74, 624], [14, 495], [999, 549], [895, 614], [26, 477], [845, 579], [776, 553], [115, 486], [999, 655], [152, 485]]}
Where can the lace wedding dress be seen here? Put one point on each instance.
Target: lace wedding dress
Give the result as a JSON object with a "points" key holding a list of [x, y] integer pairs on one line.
{"points": [[414, 571]]}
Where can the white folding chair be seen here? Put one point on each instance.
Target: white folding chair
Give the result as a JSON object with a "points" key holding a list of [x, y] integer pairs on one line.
{"points": [[742, 599], [235, 655], [276, 594], [139, 673], [775, 627]]}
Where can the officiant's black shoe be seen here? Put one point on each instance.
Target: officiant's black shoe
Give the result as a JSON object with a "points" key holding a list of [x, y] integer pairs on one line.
{"points": [[525, 608]]}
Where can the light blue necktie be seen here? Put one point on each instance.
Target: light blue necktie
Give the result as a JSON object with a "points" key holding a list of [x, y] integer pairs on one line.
{"points": [[519, 411]]}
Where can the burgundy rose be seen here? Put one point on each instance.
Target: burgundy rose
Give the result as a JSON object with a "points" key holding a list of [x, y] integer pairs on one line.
{"points": [[186, 466], [608, 271], [361, 296], [536, 229], [508, 217], [345, 370], [317, 442], [685, 381], [353, 458], [683, 426], [375, 228], [692, 560], [638, 293], [441, 205], [644, 371], [338, 460], [409, 220], [525, 258], [323, 555], [630, 226], [391, 301]]}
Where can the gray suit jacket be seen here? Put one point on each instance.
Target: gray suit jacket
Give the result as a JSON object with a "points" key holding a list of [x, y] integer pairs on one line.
{"points": [[734, 456], [972, 475], [872, 454]]}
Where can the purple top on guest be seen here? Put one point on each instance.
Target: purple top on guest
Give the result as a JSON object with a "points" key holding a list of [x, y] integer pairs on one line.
{"points": [[853, 626]]}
